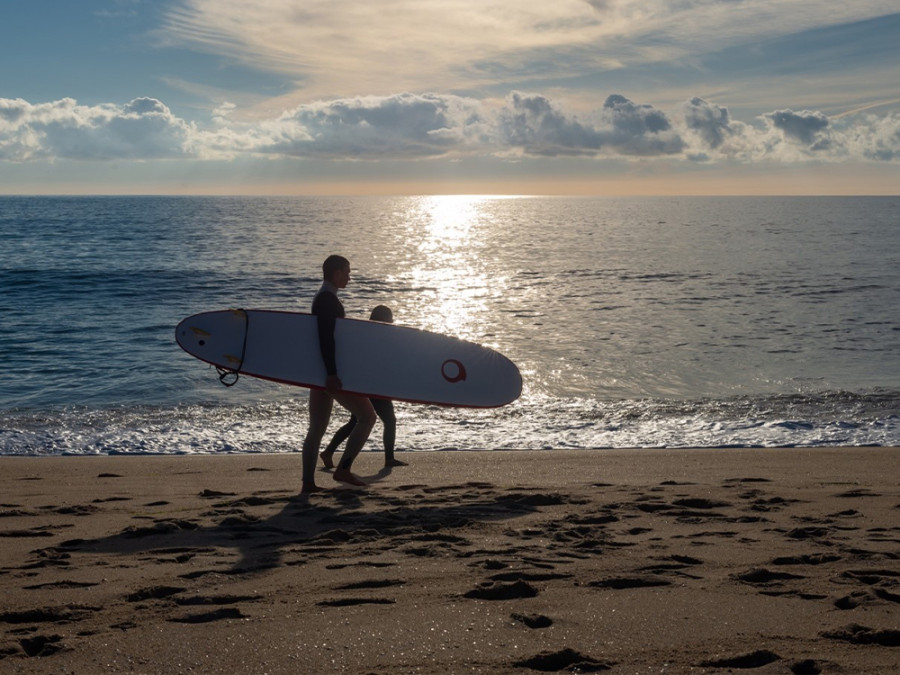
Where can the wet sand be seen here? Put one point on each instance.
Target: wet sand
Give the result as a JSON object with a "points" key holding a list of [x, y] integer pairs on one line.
{"points": [[627, 561]]}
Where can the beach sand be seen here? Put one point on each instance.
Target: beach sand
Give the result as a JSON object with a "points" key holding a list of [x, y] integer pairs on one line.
{"points": [[631, 561]]}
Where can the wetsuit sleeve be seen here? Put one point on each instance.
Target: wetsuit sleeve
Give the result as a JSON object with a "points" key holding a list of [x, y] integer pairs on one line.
{"points": [[327, 309]]}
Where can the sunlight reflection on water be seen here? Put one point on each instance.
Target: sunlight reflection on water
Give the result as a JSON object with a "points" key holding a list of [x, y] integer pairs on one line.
{"points": [[446, 239]]}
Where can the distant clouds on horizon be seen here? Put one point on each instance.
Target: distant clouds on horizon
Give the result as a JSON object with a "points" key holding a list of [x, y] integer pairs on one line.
{"points": [[421, 126]]}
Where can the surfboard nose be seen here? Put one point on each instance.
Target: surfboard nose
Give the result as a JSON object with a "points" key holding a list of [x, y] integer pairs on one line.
{"points": [[195, 334], [215, 337], [190, 337]]}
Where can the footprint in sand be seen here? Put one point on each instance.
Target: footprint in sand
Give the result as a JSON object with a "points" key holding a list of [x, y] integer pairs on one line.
{"points": [[533, 620], [806, 559], [48, 615], [529, 576], [855, 599], [490, 564], [364, 563], [503, 591], [154, 593], [207, 617], [621, 583], [21, 534], [214, 494], [41, 645], [763, 576], [756, 659], [873, 577], [217, 599], [349, 602], [850, 494], [374, 583], [76, 510], [62, 584], [700, 503], [863, 635], [567, 659], [811, 532], [159, 528]]}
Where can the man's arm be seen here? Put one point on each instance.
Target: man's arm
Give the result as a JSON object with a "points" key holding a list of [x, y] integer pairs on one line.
{"points": [[327, 309]]}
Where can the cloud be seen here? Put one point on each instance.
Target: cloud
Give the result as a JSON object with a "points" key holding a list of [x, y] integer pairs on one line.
{"points": [[346, 47], [804, 127], [639, 129], [403, 125], [534, 125], [710, 122], [141, 129], [872, 137], [430, 126], [789, 137]]}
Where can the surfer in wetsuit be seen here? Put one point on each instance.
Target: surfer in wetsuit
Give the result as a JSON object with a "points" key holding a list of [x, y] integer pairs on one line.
{"points": [[328, 309], [384, 408]]}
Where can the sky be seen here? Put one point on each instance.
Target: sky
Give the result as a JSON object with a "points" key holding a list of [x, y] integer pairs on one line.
{"points": [[605, 97]]}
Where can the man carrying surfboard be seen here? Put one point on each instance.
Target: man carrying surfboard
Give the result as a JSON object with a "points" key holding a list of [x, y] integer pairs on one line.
{"points": [[328, 309]]}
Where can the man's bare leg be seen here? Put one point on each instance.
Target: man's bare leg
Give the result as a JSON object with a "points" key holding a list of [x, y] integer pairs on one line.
{"points": [[361, 408], [320, 403]]}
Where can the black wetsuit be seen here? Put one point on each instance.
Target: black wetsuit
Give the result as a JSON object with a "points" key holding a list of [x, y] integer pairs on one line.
{"points": [[328, 309]]}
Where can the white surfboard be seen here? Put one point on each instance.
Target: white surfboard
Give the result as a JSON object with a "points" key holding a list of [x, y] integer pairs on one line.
{"points": [[374, 359]]}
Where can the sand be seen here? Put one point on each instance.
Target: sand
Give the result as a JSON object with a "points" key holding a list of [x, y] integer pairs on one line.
{"points": [[627, 561]]}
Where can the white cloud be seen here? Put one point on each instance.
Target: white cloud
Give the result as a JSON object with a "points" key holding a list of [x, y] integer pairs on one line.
{"points": [[429, 126], [788, 136], [403, 125], [872, 137], [141, 129]]}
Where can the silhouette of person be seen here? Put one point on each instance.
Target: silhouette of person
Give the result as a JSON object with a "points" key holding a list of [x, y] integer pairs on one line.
{"points": [[328, 309]]}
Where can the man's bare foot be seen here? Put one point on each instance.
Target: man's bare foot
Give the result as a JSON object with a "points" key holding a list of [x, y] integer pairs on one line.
{"points": [[394, 462], [327, 459], [344, 476], [308, 489]]}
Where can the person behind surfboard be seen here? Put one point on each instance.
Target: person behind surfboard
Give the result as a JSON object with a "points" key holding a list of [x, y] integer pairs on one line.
{"points": [[328, 309], [384, 408]]}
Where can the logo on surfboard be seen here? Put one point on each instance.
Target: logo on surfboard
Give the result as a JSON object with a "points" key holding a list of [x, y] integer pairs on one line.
{"points": [[453, 371]]}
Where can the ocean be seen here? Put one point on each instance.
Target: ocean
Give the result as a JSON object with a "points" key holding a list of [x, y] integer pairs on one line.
{"points": [[636, 322]]}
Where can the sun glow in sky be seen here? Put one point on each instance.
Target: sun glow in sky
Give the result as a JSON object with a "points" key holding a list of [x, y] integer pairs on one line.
{"points": [[457, 96]]}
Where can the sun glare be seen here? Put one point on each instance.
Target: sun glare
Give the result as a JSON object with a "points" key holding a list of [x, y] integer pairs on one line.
{"points": [[449, 235], [450, 218]]}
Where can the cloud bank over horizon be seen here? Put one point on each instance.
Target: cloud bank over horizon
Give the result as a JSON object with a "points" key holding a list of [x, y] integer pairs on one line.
{"points": [[280, 95], [431, 126]]}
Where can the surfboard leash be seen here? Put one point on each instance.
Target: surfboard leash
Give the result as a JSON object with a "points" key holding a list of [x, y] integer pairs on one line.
{"points": [[225, 373]]}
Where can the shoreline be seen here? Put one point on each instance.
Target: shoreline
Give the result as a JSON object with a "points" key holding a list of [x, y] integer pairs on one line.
{"points": [[659, 560]]}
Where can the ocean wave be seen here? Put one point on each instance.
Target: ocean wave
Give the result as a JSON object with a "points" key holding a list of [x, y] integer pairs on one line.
{"points": [[536, 423]]}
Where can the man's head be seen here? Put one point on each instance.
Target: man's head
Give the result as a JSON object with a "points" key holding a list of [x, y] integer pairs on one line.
{"points": [[336, 269]]}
